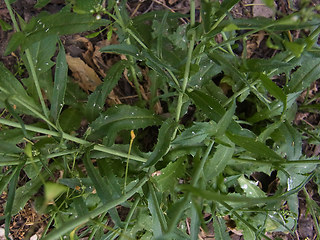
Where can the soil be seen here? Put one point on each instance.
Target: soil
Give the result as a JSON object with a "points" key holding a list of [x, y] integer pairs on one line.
{"points": [[28, 220]]}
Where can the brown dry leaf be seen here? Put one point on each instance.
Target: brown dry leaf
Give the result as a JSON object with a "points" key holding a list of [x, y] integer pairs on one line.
{"points": [[84, 75], [254, 43], [113, 99], [172, 1]]}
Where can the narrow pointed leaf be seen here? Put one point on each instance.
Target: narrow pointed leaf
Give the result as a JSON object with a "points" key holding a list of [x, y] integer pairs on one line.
{"points": [[102, 188], [220, 229], [126, 49], [169, 176], [254, 146], [272, 88], [61, 23], [306, 74], [8, 212], [164, 141], [97, 99], [60, 84], [225, 121], [216, 164]]}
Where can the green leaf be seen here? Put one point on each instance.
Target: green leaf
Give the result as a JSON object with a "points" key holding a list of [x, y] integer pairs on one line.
{"points": [[14, 42], [97, 99], [195, 134], [295, 48], [9, 209], [123, 48], [84, 6], [25, 192], [103, 190], [159, 221], [266, 65], [306, 74], [250, 188], [5, 26], [289, 141], [70, 119], [61, 23], [41, 3], [60, 84], [53, 190], [12, 89], [166, 133], [216, 164], [42, 53], [169, 176], [220, 229], [225, 121], [272, 88], [121, 117], [254, 146], [228, 65], [213, 109], [6, 147]]}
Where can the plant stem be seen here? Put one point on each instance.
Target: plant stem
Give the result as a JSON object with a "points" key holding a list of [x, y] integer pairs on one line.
{"points": [[188, 63], [66, 136], [30, 62], [130, 214]]}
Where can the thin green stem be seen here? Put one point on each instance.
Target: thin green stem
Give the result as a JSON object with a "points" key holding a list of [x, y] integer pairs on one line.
{"points": [[36, 83], [188, 62], [133, 73], [55, 234], [128, 219], [15, 24], [66, 136]]}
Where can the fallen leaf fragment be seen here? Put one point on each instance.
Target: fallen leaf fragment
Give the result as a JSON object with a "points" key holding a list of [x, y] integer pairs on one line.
{"points": [[84, 75]]}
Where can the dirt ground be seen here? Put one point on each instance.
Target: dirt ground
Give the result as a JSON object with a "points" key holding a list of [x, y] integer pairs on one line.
{"points": [[28, 220]]}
